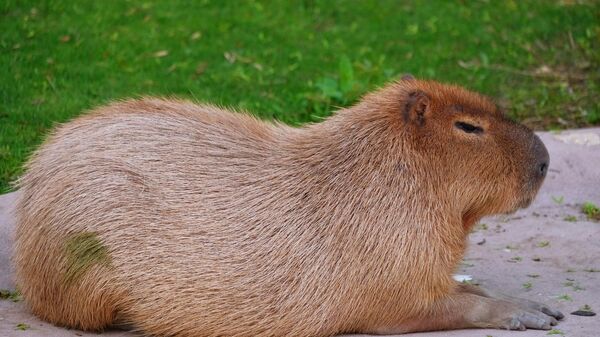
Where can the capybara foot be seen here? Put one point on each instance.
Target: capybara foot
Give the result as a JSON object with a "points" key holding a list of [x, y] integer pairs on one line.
{"points": [[522, 318], [538, 307], [520, 302]]}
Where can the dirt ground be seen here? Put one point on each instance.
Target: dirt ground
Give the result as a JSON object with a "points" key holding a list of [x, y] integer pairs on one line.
{"points": [[549, 252]]}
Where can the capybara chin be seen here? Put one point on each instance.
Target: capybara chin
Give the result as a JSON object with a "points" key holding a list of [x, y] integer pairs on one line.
{"points": [[189, 220]]}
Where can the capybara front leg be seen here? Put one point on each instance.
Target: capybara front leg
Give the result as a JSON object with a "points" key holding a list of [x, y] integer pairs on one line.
{"points": [[462, 310]]}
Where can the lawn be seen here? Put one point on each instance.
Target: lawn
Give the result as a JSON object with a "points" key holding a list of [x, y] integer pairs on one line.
{"points": [[295, 61]]}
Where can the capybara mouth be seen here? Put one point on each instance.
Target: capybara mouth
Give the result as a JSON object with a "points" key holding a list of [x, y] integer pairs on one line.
{"points": [[521, 204], [529, 194]]}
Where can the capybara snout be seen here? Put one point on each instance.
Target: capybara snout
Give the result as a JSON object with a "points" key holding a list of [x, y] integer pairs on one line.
{"points": [[533, 158], [539, 163], [190, 220]]}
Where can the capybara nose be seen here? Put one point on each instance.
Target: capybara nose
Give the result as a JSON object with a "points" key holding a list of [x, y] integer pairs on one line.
{"points": [[542, 159]]}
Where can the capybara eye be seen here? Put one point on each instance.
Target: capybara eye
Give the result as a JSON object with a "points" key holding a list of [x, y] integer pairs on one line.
{"points": [[468, 128]]}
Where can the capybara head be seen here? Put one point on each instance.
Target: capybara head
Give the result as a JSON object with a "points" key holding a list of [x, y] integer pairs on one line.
{"points": [[489, 163]]}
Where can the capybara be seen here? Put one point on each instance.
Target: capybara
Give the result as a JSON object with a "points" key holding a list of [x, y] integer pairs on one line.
{"points": [[181, 219]]}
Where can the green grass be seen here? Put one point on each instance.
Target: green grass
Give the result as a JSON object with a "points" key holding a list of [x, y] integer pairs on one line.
{"points": [[591, 210], [292, 61]]}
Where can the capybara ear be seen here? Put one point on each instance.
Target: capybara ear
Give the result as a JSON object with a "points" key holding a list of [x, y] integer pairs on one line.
{"points": [[415, 107], [407, 77]]}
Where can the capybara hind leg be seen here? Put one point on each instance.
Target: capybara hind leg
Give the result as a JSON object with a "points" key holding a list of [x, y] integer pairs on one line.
{"points": [[85, 316], [89, 302], [468, 288], [85, 309], [68, 281], [465, 310]]}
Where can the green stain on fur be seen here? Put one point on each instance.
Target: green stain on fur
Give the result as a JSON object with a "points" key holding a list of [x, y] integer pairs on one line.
{"points": [[84, 250]]}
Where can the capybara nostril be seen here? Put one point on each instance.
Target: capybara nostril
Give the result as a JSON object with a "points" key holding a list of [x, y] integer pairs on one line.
{"points": [[543, 169]]}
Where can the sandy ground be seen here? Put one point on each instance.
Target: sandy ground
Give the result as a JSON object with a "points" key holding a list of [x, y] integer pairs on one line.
{"points": [[535, 253]]}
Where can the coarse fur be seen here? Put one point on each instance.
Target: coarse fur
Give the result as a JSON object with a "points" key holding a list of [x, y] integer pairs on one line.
{"points": [[189, 220]]}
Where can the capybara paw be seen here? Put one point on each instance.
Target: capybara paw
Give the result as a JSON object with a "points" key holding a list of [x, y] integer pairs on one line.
{"points": [[542, 307], [522, 320]]}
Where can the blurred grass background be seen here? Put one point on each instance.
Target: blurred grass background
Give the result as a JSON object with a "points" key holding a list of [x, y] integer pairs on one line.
{"points": [[295, 61]]}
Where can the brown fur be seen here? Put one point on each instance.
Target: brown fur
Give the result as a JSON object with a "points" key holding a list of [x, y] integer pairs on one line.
{"points": [[190, 220]]}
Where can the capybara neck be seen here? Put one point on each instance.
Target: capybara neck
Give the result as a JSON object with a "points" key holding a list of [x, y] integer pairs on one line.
{"points": [[369, 171]]}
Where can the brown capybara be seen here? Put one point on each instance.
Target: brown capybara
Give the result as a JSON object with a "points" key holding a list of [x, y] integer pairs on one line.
{"points": [[189, 220]]}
